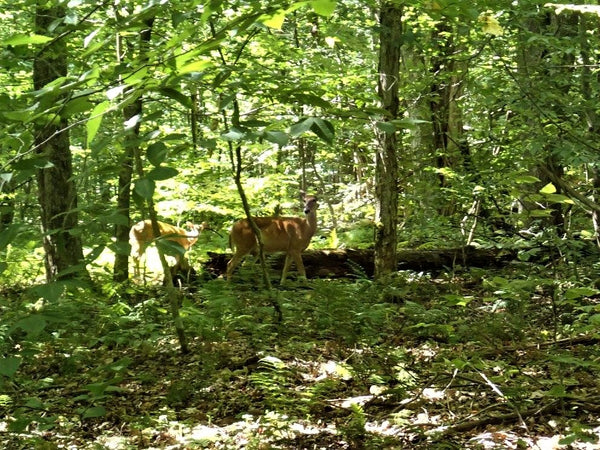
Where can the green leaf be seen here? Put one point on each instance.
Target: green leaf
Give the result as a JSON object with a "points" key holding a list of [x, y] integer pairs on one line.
{"points": [[76, 106], [277, 137], [3, 266], [274, 20], [162, 173], [386, 127], [8, 234], [94, 411], [32, 325], [234, 134], [324, 129], [9, 365], [323, 7], [144, 187], [581, 292], [559, 198], [169, 247], [196, 66], [177, 96], [526, 179], [95, 119], [51, 292], [26, 39], [548, 189], [301, 127], [157, 153], [114, 218]]}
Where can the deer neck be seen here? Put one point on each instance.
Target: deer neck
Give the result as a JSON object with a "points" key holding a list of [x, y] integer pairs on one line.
{"points": [[311, 220]]}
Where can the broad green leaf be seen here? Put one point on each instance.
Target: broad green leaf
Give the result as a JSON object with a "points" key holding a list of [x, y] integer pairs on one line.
{"points": [[324, 129], [323, 7], [301, 127], [25, 39], [144, 187], [559, 198], [548, 189], [50, 291], [35, 163], [9, 365], [170, 247], [90, 37], [94, 412], [386, 127], [162, 173], [526, 179], [557, 391], [34, 403], [76, 106], [234, 134], [95, 119], [575, 293], [8, 234], [490, 25], [157, 153], [274, 20], [3, 266], [95, 253], [277, 137], [116, 218], [196, 66], [32, 325], [177, 96]]}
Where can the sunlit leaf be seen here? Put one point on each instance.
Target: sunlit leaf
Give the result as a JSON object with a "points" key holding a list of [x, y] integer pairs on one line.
{"points": [[490, 25], [95, 119], [548, 189], [274, 20], [559, 198], [25, 39], [323, 7]]}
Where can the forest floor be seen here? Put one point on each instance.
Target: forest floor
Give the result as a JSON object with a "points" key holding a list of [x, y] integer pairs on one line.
{"points": [[482, 359]]}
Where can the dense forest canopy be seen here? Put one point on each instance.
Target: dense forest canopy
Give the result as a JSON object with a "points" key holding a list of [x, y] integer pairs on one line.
{"points": [[461, 135]]}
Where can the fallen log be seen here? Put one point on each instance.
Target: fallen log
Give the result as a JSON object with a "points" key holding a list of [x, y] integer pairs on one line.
{"points": [[359, 263]]}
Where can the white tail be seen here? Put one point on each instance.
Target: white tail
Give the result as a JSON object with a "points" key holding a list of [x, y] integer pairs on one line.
{"points": [[279, 234], [141, 235]]}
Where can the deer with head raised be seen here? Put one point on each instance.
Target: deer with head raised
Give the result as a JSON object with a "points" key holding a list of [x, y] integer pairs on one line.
{"points": [[279, 234], [141, 235]]}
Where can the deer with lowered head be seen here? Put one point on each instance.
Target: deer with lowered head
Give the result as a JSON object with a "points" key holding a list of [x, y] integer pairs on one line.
{"points": [[141, 236], [279, 234]]}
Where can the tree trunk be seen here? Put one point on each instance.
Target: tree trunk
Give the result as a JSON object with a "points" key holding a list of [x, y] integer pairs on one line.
{"points": [[386, 163], [121, 266], [57, 193]]}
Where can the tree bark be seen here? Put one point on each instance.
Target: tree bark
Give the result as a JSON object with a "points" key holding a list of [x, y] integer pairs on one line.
{"points": [[57, 193], [350, 263], [386, 163]]}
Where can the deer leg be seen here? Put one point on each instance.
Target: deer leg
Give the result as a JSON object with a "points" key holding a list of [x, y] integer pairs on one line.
{"points": [[286, 267], [299, 265], [232, 264]]}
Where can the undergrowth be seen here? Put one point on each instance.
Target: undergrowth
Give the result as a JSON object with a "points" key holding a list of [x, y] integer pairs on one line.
{"points": [[353, 364]]}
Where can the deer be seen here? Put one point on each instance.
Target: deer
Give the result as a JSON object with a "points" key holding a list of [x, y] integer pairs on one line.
{"points": [[141, 235], [279, 234]]}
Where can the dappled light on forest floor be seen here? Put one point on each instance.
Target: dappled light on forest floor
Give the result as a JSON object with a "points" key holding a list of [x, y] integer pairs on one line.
{"points": [[345, 370]]}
